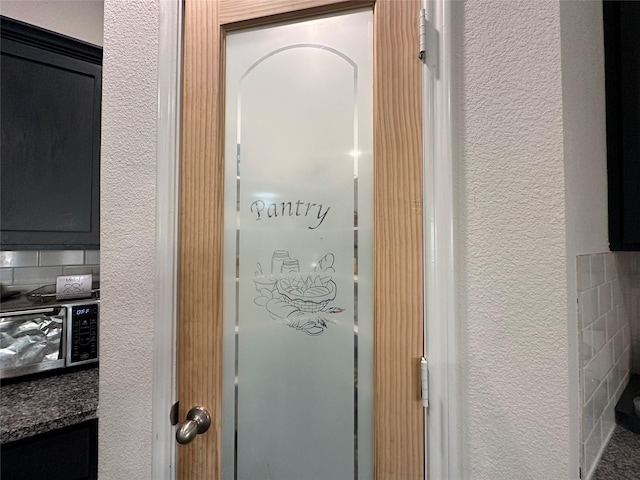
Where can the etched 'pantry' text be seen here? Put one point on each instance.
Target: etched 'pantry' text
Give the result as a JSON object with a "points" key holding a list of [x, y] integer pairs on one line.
{"points": [[315, 212]]}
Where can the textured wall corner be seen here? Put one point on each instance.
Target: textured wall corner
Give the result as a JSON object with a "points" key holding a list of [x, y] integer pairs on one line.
{"points": [[128, 210], [512, 240]]}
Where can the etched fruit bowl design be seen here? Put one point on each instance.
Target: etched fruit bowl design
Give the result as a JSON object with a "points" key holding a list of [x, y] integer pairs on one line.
{"points": [[308, 293]]}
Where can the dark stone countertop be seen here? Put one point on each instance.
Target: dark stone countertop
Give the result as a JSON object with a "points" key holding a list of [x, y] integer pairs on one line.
{"points": [[40, 405]]}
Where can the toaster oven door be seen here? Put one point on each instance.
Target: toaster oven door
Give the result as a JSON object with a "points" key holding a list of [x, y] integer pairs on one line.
{"points": [[31, 341]]}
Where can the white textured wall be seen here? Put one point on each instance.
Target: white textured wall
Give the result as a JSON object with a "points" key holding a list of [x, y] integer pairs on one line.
{"points": [[128, 207], [585, 153], [75, 18], [512, 240]]}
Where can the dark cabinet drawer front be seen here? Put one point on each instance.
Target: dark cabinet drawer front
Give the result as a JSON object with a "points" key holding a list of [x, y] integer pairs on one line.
{"points": [[70, 453]]}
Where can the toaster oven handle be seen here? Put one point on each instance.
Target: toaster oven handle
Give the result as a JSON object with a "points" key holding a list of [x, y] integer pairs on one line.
{"points": [[28, 312]]}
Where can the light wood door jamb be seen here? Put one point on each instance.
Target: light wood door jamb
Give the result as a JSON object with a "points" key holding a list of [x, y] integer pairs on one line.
{"points": [[398, 270]]}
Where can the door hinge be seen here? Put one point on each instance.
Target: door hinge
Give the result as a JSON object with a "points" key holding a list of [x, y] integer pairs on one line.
{"points": [[428, 50], [423, 34], [424, 376]]}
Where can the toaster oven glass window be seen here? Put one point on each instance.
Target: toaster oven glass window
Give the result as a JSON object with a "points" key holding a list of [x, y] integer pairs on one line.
{"points": [[31, 342]]}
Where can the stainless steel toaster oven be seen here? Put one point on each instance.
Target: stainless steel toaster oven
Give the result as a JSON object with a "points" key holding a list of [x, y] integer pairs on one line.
{"points": [[42, 338]]}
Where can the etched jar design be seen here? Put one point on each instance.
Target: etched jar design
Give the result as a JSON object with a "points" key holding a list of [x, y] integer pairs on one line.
{"points": [[277, 260], [290, 265]]}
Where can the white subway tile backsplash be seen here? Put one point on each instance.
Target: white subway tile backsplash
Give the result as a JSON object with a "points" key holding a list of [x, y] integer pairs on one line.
{"points": [[624, 279], [620, 390], [600, 399], [597, 270], [608, 420], [61, 257], [608, 288], [27, 258], [39, 275], [616, 292], [587, 418], [584, 273], [599, 333], [590, 380], [587, 344], [604, 298], [626, 361], [77, 270], [611, 322], [588, 307], [592, 447], [631, 340], [635, 356], [29, 269], [627, 262], [610, 270], [618, 346], [613, 381], [6, 276], [605, 360], [92, 257], [634, 282], [621, 369], [622, 316]]}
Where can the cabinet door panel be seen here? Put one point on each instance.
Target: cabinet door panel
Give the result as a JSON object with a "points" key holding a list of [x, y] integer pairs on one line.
{"points": [[622, 50], [70, 452], [50, 147]]}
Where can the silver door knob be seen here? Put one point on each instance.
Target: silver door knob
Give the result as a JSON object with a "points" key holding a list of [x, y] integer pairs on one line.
{"points": [[198, 421]]}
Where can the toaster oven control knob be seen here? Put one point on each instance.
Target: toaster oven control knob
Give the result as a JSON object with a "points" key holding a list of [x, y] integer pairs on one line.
{"points": [[198, 421]]}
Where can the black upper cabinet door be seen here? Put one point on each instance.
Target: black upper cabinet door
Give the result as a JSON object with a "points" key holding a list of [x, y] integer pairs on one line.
{"points": [[50, 99], [622, 63]]}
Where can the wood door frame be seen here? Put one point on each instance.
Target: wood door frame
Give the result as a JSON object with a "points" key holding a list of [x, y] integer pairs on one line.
{"points": [[398, 271]]}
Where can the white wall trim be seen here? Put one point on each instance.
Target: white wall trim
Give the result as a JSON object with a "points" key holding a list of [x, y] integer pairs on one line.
{"points": [[166, 285], [443, 446]]}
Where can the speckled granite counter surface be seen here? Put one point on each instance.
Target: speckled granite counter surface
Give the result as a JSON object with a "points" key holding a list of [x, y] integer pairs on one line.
{"points": [[41, 405], [621, 457]]}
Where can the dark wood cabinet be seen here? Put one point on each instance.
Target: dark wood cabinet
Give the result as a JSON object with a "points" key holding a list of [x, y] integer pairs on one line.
{"points": [[622, 64], [50, 92], [69, 453]]}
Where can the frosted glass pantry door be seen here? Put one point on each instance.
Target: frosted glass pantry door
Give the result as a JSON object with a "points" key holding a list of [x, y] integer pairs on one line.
{"points": [[297, 326]]}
